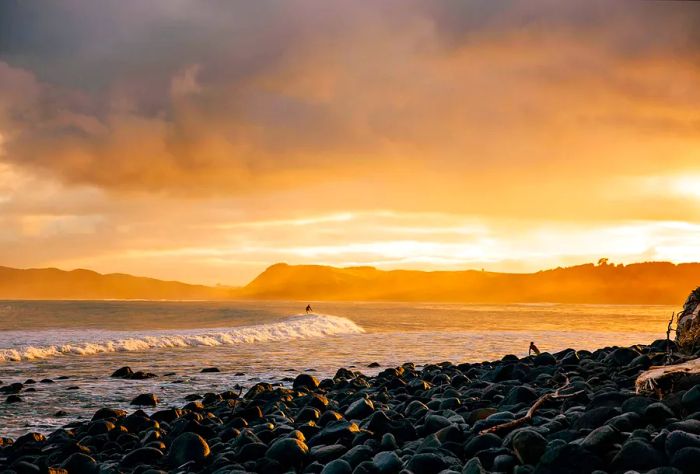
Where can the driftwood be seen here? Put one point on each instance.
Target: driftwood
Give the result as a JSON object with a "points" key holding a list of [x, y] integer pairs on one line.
{"points": [[556, 395], [662, 380]]}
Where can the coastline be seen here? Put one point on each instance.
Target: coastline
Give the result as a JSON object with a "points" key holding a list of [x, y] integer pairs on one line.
{"points": [[430, 420]]}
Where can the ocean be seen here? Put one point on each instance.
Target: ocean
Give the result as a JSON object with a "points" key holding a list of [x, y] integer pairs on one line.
{"points": [[78, 344]]}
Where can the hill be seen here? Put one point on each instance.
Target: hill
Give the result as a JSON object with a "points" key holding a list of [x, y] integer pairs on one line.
{"points": [[640, 283], [51, 283]]}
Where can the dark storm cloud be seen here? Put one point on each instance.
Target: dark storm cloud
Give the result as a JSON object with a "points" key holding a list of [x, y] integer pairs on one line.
{"points": [[224, 97]]}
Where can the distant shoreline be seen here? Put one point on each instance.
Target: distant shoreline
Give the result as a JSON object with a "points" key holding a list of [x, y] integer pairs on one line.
{"points": [[655, 283]]}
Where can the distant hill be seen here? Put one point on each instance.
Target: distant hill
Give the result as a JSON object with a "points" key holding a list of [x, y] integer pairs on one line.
{"points": [[641, 283], [51, 283]]}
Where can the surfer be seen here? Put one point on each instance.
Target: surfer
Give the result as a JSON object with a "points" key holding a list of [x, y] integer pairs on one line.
{"points": [[533, 349], [308, 309]]}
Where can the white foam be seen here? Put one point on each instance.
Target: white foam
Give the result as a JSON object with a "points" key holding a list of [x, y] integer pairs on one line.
{"points": [[46, 344]]}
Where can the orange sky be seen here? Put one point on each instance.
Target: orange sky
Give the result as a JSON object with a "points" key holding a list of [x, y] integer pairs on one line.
{"points": [[203, 141]]}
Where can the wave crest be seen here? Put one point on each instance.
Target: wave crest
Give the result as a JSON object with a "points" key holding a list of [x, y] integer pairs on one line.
{"points": [[95, 342]]}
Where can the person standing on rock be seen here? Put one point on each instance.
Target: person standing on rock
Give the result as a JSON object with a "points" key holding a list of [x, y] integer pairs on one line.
{"points": [[308, 309]]}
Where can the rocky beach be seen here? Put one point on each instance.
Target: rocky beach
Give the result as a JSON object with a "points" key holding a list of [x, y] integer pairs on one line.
{"points": [[436, 418]]}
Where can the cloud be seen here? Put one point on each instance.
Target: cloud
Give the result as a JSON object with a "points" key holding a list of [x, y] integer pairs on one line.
{"points": [[232, 98], [136, 135]]}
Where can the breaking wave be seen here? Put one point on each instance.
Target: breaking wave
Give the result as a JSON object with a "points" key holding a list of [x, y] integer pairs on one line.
{"points": [[46, 344]]}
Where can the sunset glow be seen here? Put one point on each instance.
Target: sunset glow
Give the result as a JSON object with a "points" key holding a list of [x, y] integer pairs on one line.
{"points": [[203, 142]]}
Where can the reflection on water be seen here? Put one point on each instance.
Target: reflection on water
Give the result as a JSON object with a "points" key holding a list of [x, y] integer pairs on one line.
{"points": [[394, 333]]}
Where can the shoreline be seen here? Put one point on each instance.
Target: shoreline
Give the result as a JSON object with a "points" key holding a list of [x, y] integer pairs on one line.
{"points": [[430, 420]]}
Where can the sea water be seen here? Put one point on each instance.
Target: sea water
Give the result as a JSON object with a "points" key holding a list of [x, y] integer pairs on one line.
{"points": [[78, 344]]}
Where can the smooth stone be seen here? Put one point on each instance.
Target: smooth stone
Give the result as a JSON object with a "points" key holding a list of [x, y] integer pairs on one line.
{"points": [[601, 439], [149, 456], [387, 462], [691, 399], [658, 413], [13, 399], [359, 409], [529, 446], [188, 447], [305, 381], [325, 454], [339, 466], [210, 370], [124, 372], [80, 463], [145, 399], [637, 455], [426, 463], [676, 440], [687, 460], [289, 452]]}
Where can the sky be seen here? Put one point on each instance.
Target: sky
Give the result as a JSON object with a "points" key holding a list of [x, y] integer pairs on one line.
{"points": [[204, 140]]}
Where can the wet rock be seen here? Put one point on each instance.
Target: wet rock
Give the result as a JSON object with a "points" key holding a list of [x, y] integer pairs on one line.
{"points": [[13, 399], [123, 373], [529, 446], [188, 447], [288, 452], [148, 456], [387, 462], [210, 370], [686, 460], [305, 381], [637, 455], [677, 440], [359, 409], [338, 466], [426, 463], [145, 399], [80, 463]]}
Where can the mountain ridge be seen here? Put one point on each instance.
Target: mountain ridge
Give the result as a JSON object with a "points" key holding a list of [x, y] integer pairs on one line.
{"points": [[637, 283]]}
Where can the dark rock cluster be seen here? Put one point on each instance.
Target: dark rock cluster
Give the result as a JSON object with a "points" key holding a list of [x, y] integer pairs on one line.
{"points": [[404, 420]]}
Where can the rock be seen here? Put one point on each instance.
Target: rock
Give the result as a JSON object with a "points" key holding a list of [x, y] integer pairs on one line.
{"points": [[373, 365], [686, 460], [338, 466], [473, 466], [148, 456], [188, 447], [658, 413], [80, 463], [325, 454], [288, 452], [426, 463], [145, 399], [529, 446], [677, 440], [568, 459], [103, 413], [359, 409], [123, 373], [387, 462], [637, 455], [545, 358], [595, 417], [305, 381], [691, 399], [600, 440], [210, 370], [416, 409], [520, 394], [13, 399]]}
